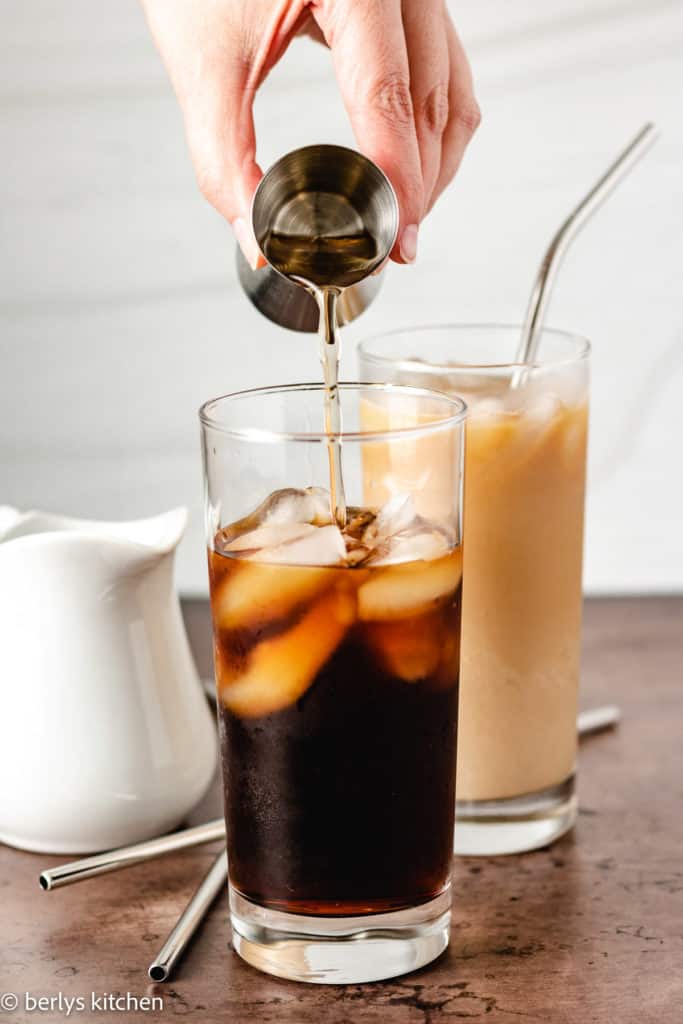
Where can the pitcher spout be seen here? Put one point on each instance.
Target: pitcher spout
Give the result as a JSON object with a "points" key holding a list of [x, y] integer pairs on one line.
{"points": [[141, 544], [9, 518], [160, 534], [130, 545]]}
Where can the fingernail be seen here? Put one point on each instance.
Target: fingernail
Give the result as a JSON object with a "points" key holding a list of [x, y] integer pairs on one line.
{"points": [[247, 243], [408, 246]]}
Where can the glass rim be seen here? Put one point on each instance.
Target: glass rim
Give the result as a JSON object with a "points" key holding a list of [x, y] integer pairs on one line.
{"points": [[455, 418], [581, 345]]}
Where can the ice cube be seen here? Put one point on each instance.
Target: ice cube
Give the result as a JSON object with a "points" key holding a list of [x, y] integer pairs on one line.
{"points": [[319, 545], [278, 568], [401, 591], [271, 536], [320, 507], [281, 669], [410, 546], [254, 593], [395, 515], [291, 505], [542, 411], [485, 408], [409, 649]]}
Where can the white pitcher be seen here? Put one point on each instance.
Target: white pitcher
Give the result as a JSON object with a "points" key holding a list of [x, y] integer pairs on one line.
{"points": [[105, 734]]}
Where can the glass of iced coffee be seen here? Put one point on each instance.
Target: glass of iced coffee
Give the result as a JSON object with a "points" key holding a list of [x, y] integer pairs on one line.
{"points": [[337, 633], [524, 503]]}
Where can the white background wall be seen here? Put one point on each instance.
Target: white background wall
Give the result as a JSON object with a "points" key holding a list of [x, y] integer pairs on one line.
{"points": [[119, 308]]}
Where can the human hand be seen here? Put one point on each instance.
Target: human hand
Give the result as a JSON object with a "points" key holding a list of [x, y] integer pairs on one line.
{"points": [[402, 72]]}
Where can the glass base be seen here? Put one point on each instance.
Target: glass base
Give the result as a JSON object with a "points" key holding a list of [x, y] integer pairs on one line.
{"points": [[339, 950], [486, 828]]}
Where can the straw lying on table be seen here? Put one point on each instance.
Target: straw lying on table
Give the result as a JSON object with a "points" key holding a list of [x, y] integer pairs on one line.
{"points": [[126, 856], [192, 916]]}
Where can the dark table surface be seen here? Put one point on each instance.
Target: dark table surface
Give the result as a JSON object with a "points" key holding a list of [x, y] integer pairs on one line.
{"points": [[588, 930]]}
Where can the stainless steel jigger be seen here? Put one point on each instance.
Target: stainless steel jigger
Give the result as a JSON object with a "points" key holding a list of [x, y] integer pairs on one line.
{"points": [[317, 191]]}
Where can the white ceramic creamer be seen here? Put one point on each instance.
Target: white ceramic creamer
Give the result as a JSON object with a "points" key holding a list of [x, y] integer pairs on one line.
{"points": [[106, 737]]}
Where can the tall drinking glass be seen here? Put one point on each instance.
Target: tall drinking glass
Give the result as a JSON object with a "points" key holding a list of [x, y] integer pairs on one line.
{"points": [[524, 502], [337, 657]]}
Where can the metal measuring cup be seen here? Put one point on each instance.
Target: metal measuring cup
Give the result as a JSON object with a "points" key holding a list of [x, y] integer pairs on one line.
{"points": [[318, 191]]}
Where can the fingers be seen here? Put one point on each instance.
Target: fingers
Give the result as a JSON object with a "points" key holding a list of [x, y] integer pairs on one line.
{"points": [[464, 115], [222, 142], [216, 95], [216, 55], [219, 108], [428, 57], [371, 62], [220, 132]]}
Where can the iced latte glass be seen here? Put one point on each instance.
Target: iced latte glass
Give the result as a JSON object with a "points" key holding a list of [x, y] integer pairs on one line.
{"points": [[337, 639], [524, 502]]}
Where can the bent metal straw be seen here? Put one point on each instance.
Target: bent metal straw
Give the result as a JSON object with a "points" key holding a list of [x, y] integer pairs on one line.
{"points": [[564, 236]]}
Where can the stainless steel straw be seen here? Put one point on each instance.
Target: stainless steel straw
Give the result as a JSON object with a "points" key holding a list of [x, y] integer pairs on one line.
{"points": [[567, 232], [597, 719], [212, 884], [126, 856]]}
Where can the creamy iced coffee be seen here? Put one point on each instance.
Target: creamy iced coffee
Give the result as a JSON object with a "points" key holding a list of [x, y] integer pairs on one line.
{"points": [[524, 498]]}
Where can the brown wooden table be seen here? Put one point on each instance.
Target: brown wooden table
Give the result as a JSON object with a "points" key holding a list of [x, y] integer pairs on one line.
{"points": [[590, 930]]}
